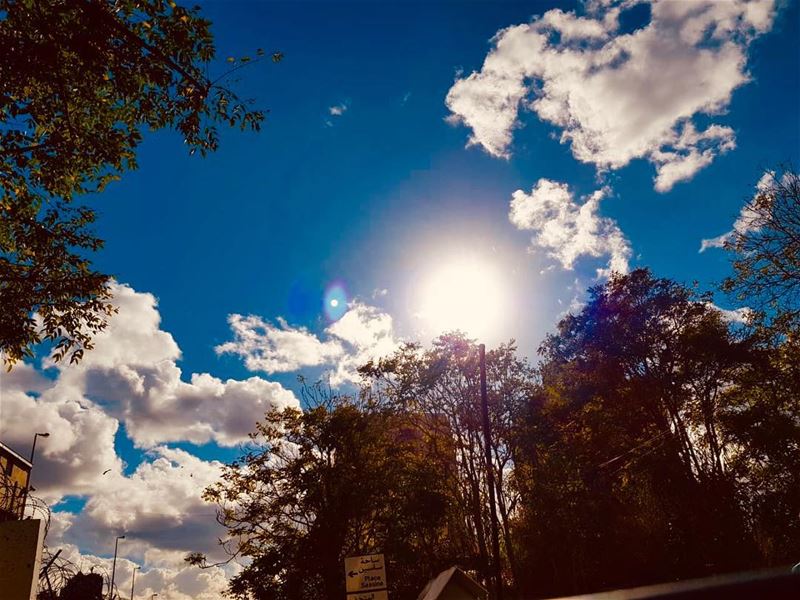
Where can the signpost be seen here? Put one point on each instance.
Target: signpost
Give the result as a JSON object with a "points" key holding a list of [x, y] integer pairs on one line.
{"points": [[365, 577]]}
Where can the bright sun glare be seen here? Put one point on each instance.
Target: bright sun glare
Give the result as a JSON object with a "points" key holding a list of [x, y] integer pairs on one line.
{"points": [[466, 294]]}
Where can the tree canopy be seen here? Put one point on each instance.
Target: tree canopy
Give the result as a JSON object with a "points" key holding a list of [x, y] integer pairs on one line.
{"points": [[653, 441], [337, 480], [766, 250], [80, 82]]}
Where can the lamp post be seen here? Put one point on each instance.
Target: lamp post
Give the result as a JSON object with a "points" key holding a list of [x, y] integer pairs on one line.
{"points": [[487, 439], [114, 566], [133, 578], [36, 435], [28, 481]]}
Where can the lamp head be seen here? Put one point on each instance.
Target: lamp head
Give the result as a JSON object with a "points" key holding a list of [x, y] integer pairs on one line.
{"points": [[45, 434]]}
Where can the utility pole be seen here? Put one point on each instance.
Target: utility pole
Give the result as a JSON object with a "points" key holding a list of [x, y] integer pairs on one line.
{"points": [[133, 579], [487, 438], [114, 567], [28, 478]]}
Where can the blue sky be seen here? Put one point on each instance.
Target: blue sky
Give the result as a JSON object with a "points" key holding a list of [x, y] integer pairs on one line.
{"points": [[379, 197], [262, 226]]}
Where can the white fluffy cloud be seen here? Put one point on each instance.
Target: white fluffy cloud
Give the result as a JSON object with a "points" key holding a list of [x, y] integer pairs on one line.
{"points": [[158, 507], [746, 221], [277, 348], [81, 442], [161, 572], [132, 373], [618, 96], [566, 229], [362, 334], [131, 378]]}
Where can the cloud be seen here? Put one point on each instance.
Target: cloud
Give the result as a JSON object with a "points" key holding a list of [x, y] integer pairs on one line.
{"points": [[368, 334], [131, 377], [132, 373], [748, 219], [81, 442], [277, 348], [158, 506], [567, 230], [362, 334], [736, 315], [337, 110], [162, 572], [617, 96]]}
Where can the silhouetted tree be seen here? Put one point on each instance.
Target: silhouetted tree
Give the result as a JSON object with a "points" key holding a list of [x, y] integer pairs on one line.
{"points": [[627, 460], [79, 82], [336, 480], [767, 250], [442, 385], [83, 586], [655, 441]]}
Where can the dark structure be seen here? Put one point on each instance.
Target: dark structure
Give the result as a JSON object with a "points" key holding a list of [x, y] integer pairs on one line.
{"points": [[15, 473]]}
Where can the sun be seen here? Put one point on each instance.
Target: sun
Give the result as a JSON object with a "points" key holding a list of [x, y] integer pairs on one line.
{"points": [[467, 294]]}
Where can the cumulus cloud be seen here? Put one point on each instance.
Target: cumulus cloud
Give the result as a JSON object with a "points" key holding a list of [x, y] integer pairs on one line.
{"points": [[362, 334], [81, 442], [131, 377], [337, 110], [132, 372], [158, 506], [277, 348], [617, 96], [748, 219], [161, 572], [568, 230]]}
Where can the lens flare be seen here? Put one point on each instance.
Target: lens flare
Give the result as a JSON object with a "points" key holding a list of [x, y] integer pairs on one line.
{"points": [[334, 303]]}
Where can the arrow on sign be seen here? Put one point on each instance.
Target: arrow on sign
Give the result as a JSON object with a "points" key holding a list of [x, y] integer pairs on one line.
{"points": [[352, 574]]}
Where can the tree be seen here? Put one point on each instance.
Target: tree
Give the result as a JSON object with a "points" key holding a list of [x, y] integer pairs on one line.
{"points": [[79, 82], [767, 249], [629, 480], [338, 479], [441, 385]]}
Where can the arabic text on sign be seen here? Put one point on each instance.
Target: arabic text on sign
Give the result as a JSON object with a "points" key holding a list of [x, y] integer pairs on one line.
{"points": [[365, 573]]}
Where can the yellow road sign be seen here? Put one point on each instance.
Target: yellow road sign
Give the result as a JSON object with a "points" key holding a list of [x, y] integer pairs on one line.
{"points": [[381, 595], [365, 573]]}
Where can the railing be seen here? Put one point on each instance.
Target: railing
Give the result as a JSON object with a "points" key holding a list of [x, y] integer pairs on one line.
{"points": [[12, 499]]}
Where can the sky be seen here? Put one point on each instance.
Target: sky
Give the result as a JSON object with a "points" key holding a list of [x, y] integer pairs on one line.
{"points": [[423, 166]]}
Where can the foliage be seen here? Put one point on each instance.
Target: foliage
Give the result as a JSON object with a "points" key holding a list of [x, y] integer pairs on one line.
{"points": [[333, 481], [79, 82], [442, 385], [633, 483], [767, 249], [654, 441]]}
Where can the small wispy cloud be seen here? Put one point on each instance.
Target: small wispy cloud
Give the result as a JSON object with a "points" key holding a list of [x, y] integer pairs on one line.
{"points": [[337, 110], [748, 219]]}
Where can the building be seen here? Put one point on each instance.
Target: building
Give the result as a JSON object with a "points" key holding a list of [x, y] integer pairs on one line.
{"points": [[453, 584], [15, 473]]}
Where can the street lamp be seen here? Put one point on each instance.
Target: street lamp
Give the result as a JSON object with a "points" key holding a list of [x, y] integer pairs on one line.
{"points": [[114, 566], [36, 435], [28, 482], [133, 578], [487, 439]]}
